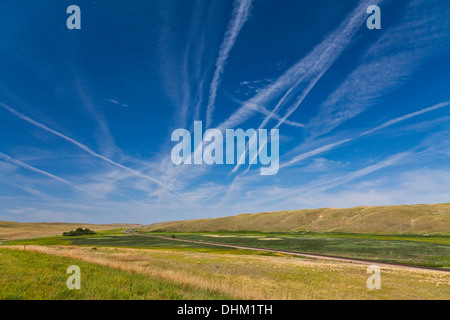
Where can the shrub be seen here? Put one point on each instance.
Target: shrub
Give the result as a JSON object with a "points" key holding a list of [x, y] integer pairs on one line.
{"points": [[78, 232]]}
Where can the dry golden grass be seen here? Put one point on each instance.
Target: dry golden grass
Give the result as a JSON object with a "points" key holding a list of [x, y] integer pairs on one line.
{"points": [[15, 230], [263, 277], [407, 219]]}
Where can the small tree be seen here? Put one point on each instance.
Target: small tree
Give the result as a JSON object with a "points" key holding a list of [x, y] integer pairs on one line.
{"points": [[78, 232]]}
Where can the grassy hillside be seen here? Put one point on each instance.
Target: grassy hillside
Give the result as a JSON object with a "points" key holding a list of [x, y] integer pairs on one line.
{"points": [[15, 230], [403, 219]]}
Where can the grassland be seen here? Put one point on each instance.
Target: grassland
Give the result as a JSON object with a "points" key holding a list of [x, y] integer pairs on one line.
{"points": [[10, 230], [431, 251], [32, 275], [234, 274], [417, 219], [115, 265], [108, 238]]}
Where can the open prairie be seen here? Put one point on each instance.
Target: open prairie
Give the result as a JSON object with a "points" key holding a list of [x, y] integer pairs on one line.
{"points": [[32, 275], [430, 251], [401, 219], [10, 230], [176, 261], [243, 274]]}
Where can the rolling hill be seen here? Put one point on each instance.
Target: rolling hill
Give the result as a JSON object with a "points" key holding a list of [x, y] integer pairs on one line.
{"points": [[399, 219], [10, 230]]}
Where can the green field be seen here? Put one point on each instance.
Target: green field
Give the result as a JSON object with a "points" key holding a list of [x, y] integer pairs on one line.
{"points": [[116, 265], [432, 251], [110, 239], [30, 275], [133, 241], [412, 250]]}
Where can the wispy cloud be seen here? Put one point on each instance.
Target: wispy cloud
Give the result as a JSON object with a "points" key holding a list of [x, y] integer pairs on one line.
{"points": [[31, 168], [270, 113], [406, 117], [260, 197], [303, 76], [314, 152], [422, 33], [423, 186], [299, 79], [325, 55], [240, 15], [332, 183], [84, 147], [277, 194], [117, 102], [104, 136], [384, 125], [185, 72]]}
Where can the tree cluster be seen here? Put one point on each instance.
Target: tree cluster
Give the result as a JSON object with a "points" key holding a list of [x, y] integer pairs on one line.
{"points": [[78, 232]]}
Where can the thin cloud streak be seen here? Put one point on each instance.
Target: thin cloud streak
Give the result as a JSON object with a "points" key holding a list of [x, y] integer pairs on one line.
{"points": [[31, 168], [311, 190], [314, 152], [406, 117], [420, 35], [309, 68], [264, 111], [117, 102], [335, 44], [318, 62], [391, 160], [105, 140], [83, 147], [240, 15], [386, 124]]}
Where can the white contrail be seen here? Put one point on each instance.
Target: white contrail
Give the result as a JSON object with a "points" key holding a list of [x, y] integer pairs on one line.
{"points": [[408, 116], [240, 15], [418, 37], [83, 147], [316, 64], [325, 184], [31, 168], [335, 45], [309, 67], [391, 160], [386, 124], [314, 152]]}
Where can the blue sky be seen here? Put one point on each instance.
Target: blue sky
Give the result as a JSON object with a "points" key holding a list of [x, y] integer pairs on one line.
{"points": [[86, 115]]}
